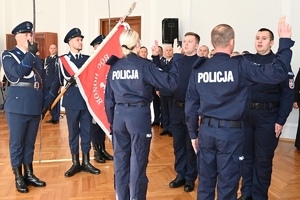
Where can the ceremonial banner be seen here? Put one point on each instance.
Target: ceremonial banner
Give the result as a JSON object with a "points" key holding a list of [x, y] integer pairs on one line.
{"points": [[92, 80]]}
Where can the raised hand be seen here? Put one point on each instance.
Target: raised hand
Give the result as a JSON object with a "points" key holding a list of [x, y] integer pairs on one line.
{"points": [[284, 29], [176, 47], [155, 48]]}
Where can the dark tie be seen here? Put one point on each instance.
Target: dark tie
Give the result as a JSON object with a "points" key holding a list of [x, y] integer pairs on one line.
{"points": [[76, 56]]}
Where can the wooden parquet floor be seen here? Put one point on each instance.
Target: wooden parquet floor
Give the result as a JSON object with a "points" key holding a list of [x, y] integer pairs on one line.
{"points": [[56, 159]]}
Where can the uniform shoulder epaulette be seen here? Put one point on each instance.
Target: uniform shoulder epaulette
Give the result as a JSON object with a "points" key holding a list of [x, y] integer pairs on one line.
{"points": [[112, 60], [199, 62]]}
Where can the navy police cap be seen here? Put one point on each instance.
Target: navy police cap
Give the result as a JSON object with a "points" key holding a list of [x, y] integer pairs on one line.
{"points": [[74, 32], [97, 40], [24, 27]]}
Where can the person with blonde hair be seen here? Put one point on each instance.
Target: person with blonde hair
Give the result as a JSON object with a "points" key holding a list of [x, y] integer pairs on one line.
{"points": [[128, 95]]}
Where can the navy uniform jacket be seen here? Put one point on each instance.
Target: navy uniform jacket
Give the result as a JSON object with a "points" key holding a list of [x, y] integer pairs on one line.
{"points": [[185, 63], [22, 100], [219, 86], [131, 80], [72, 98], [282, 92], [49, 70]]}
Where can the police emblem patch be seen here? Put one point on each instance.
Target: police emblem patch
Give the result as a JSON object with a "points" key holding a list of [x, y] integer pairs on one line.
{"points": [[291, 83]]}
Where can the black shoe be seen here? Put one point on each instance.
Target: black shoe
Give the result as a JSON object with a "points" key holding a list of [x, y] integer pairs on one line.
{"points": [[55, 121], [177, 182], [97, 154], [164, 133], [87, 166], [73, 170], [170, 134], [49, 121], [155, 124], [189, 186], [244, 198], [30, 178], [20, 183], [104, 153]]}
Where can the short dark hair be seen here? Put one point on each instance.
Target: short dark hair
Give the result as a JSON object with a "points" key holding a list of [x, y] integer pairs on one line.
{"points": [[193, 34], [271, 33]]}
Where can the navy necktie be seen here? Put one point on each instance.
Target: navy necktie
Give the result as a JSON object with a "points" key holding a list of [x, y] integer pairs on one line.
{"points": [[76, 56]]}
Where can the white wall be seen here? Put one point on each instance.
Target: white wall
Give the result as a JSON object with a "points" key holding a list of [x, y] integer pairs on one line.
{"points": [[200, 16]]}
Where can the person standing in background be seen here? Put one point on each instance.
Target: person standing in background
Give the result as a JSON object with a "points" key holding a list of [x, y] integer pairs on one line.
{"points": [[296, 106], [49, 70]]}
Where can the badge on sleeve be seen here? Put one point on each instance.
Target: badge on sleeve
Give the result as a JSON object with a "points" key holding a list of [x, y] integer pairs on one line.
{"points": [[291, 83]]}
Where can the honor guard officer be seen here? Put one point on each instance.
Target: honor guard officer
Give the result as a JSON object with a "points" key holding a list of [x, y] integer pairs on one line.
{"points": [[97, 134], [128, 95], [49, 71], [219, 93], [79, 119], [270, 107], [24, 103]]}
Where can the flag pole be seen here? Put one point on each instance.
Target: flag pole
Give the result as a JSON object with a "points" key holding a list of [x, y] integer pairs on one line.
{"points": [[33, 39], [94, 54]]}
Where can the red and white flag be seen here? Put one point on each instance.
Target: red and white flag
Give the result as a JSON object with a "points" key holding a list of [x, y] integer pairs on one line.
{"points": [[92, 79]]}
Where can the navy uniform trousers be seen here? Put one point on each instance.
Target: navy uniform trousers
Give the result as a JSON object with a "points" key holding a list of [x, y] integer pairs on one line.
{"points": [[166, 108], [257, 173], [185, 157], [131, 150], [79, 124], [212, 140], [55, 112], [97, 134], [24, 135]]}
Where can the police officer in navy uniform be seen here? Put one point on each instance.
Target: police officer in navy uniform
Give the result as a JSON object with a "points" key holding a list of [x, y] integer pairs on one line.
{"points": [[185, 157], [270, 107], [97, 134], [128, 95], [219, 93], [79, 119], [49, 70], [24, 103]]}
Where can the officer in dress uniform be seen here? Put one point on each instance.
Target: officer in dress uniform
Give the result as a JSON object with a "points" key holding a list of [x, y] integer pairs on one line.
{"points": [[219, 93], [24, 103], [49, 70], [79, 119], [97, 134], [128, 95], [270, 107], [166, 96]]}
